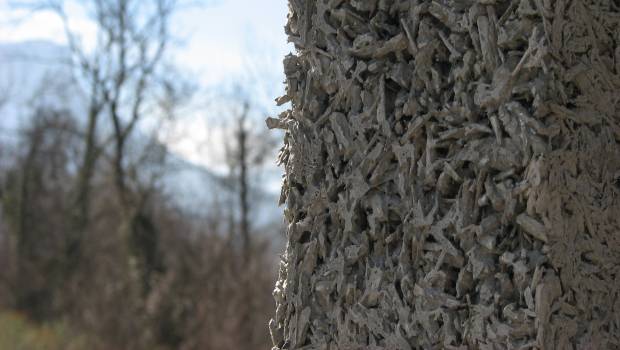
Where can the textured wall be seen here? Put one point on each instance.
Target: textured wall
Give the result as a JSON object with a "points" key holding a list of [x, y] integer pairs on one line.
{"points": [[452, 175]]}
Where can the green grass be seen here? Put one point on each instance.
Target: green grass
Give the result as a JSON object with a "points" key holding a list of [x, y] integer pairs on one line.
{"points": [[18, 333]]}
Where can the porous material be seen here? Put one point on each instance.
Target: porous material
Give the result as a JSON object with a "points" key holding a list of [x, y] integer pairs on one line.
{"points": [[452, 175]]}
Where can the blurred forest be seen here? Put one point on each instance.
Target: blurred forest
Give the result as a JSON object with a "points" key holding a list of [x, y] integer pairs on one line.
{"points": [[94, 252]]}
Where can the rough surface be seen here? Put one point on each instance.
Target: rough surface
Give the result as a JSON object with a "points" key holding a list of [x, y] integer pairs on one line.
{"points": [[452, 175]]}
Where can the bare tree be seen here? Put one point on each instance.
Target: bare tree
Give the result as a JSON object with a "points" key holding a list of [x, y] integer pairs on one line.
{"points": [[246, 151], [241, 138], [124, 78], [35, 184], [246, 148]]}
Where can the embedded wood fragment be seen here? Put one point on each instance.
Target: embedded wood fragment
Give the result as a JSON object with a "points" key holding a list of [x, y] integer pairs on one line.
{"points": [[532, 227]]}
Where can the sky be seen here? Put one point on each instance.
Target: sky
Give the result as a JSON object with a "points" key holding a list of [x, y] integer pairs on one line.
{"points": [[215, 40], [220, 44]]}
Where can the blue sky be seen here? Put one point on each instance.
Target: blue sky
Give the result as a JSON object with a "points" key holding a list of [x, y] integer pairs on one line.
{"points": [[219, 44], [214, 41]]}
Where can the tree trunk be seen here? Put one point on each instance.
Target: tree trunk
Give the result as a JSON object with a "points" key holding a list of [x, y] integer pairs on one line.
{"points": [[452, 176], [244, 203], [247, 335], [80, 211]]}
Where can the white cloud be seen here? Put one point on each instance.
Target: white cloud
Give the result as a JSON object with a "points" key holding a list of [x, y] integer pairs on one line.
{"points": [[19, 24], [219, 45]]}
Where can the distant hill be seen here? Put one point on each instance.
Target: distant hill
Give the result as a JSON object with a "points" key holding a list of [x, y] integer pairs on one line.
{"points": [[35, 68]]}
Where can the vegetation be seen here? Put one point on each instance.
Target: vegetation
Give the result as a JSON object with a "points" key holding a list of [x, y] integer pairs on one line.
{"points": [[94, 252], [18, 333]]}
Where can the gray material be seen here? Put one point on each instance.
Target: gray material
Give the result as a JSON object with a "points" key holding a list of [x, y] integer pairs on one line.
{"points": [[452, 176]]}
